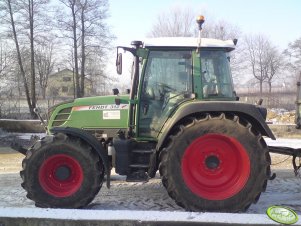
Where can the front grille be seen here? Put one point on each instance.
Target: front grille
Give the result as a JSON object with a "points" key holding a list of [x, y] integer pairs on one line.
{"points": [[61, 117]]}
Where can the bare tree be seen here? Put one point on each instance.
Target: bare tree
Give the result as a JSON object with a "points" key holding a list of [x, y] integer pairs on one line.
{"points": [[32, 25], [5, 59], [23, 19], [94, 32], [293, 57], [70, 26], [84, 7], [44, 63], [177, 22], [295, 50], [181, 22], [9, 7], [6, 66], [89, 34], [257, 51], [274, 63], [29, 8], [221, 29], [95, 66]]}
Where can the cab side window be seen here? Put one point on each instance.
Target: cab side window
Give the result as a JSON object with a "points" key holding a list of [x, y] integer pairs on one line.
{"points": [[216, 76]]}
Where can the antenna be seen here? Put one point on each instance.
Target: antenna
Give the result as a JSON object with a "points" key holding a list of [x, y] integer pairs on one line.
{"points": [[200, 20]]}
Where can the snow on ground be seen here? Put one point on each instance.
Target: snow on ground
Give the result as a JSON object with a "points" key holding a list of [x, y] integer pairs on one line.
{"points": [[282, 142], [28, 136], [141, 216]]}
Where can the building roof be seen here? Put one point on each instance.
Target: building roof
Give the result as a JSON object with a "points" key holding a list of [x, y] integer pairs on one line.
{"points": [[60, 72], [188, 42], [68, 72]]}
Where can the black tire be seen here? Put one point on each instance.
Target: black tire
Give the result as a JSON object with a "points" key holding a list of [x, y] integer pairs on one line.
{"points": [[204, 189], [61, 172], [154, 166]]}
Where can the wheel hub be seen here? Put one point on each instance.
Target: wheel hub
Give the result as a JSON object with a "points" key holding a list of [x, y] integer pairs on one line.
{"points": [[212, 162], [62, 173]]}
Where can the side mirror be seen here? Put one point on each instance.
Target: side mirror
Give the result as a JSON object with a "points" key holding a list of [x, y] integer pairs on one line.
{"points": [[119, 64], [115, 91]]}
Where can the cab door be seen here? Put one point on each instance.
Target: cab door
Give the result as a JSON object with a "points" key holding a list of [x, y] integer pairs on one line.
{"points": [[166, 82]]}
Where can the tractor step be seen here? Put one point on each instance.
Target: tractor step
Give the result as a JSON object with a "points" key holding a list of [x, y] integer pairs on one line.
{"points": [[137, 176], [133, 158], [141, 151], [141, 166]]}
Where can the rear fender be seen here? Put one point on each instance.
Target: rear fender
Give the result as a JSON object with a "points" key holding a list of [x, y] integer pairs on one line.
{"points": [[91, 140], [252, 113]]}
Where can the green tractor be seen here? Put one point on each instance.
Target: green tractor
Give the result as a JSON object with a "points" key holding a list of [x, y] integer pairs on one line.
{"points": [[181, 117]]}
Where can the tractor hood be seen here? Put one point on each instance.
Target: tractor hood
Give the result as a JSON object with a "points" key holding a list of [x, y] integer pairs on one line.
{"points": [[92, 113]]}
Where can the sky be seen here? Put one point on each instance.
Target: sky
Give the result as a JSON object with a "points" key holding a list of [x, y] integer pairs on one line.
{"points": [[279, 20]]}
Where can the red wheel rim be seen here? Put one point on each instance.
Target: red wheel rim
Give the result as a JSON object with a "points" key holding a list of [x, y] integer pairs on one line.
{"points": [[215, 167], [61, 175]]}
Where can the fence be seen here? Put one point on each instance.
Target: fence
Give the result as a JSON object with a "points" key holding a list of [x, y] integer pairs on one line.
{"points": [[286, 99], [18, 108]]}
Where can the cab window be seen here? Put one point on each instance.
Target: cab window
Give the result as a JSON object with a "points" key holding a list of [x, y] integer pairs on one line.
{"points": [[167, 78], [216, 75]]}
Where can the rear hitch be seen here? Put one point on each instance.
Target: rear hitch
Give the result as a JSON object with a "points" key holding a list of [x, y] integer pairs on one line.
{"points": [[296, 167], [272, 177], [295, 153]]}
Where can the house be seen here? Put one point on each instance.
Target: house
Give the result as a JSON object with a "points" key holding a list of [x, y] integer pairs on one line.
{"points": [[62, 84]]}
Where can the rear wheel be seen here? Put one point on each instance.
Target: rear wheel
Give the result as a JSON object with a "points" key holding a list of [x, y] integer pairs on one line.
{"points": [[215, 164], [62, 173]]}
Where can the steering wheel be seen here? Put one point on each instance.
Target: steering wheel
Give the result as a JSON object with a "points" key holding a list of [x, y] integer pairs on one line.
{"points": [[165, 88]]}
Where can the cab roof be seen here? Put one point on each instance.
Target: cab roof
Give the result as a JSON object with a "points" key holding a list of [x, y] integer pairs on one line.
{"points": [[188, 42]]}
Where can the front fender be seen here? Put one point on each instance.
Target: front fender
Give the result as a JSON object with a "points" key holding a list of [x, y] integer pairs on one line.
{"points": [[252, 113], [91, 140]]}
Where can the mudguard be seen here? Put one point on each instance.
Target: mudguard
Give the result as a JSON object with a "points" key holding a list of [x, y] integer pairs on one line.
{"points": [[91, 140], [253, 113]]}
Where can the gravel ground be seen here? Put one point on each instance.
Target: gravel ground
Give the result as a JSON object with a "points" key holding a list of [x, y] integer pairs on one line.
{"points": [[284, 190]]}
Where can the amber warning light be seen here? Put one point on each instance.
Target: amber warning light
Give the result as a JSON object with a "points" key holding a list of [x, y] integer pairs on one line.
{"points": [[200, 20]]}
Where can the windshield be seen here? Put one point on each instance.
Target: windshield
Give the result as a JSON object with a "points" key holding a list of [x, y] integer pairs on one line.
{"points": [[216, 75], [167, 82]]}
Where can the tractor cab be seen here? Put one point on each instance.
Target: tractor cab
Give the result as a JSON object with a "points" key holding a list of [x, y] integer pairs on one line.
{"points": [[173, 71]]}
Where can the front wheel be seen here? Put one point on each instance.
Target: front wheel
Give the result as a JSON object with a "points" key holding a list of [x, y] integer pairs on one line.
{"points": [[62, 173], [215, 164]]}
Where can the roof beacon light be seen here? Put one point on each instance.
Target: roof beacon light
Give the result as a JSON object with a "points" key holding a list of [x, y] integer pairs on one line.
{"points": [[200, 20]]}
